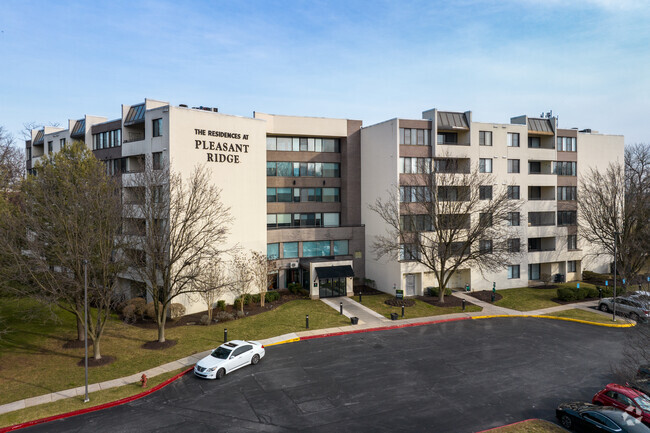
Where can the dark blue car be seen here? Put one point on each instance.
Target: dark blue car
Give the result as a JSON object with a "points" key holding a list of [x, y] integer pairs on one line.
{"points": [[585, 417]]}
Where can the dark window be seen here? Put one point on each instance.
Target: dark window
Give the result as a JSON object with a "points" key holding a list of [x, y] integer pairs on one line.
{"points": [[513, 271], [513, 218], [571, 266], [566, 218], [270, 169], [485, 192], [536, 219], [564, 168], [157, 160], [513, 166], [485, 138], [513, 192], [485, 246], [409, 252], [447, 138], [568, 193], [534, 167], [485, 165], [157, 127], [572, 242], [453, 221], [534, 142], [412, 136], [513, 139], [49, 147], [514, 245]]}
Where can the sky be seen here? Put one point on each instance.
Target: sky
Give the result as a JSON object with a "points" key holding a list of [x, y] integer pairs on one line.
{"points": [[587, 60]]}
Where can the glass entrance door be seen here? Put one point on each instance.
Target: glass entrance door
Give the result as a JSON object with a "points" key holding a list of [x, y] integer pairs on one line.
{"points": [[332, 287]]}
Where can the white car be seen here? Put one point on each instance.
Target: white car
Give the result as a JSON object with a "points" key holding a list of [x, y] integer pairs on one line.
{"points": [[229, 357]]}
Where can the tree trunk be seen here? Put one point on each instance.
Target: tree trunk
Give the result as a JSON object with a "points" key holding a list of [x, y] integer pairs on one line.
{"points": [[96, 355], [161, 332], [241, 304], [262, 296], [81, 335]]}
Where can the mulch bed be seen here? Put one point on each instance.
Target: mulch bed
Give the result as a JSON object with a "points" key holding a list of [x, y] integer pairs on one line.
{"points": [[367, 290], [92, 362], [195, 318], [155, 345], [485, 295], [399, 302], [449, 301]]}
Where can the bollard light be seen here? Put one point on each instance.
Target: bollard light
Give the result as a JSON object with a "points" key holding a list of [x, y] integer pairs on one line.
{"points": [[360, 296], [402, 310], [307, 321], [463, 305], [341, 308], [225, 335]]}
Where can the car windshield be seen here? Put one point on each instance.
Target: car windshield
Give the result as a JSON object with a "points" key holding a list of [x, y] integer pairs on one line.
{"points": [[632, 424], [221, 353], [643, 403]]}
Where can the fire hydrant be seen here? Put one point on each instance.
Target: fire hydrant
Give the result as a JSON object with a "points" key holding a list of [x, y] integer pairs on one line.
{"points": [[143, 380]]}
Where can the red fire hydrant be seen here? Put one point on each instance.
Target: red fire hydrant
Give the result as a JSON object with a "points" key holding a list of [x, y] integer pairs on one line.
{"points": [[143, 380]]}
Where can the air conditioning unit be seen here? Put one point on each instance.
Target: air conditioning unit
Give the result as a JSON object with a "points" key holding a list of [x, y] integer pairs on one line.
{"points": [[293, 265]]}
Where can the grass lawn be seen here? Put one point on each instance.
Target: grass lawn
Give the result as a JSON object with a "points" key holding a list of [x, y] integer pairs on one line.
{"points": [[33, 361], [529, 298], [579, 314], [532, 426], [420, 309], [76, 403]]}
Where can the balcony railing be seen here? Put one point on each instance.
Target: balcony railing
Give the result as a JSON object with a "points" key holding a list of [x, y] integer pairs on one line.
{"points": [[133, 136]]}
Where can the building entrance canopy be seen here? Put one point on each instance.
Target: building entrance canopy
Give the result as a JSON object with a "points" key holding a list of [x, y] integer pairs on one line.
{"points": [[335, 271]]}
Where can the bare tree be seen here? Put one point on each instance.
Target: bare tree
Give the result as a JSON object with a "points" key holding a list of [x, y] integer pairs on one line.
{"points": [[259, 269], [71, 213], [242, 277], [176, 225], [12, 162], [449, 220], [213, 284], [613, 203]]}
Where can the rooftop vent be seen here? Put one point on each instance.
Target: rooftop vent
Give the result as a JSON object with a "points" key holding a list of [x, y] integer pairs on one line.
{"points": [[182, 105]]}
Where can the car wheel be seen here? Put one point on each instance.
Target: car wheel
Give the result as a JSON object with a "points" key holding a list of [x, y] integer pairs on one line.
{"points": [[635, 317], [566, 421], [255, 359], [604, 308], [220, 373]]}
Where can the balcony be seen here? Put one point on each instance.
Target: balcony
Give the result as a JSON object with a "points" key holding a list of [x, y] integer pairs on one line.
{"points": [[540, 167], [536, 193], [132, 136], [542, 244]]}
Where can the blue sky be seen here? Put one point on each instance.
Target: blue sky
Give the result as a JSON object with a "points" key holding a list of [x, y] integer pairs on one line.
{"points": [[588, 61]]}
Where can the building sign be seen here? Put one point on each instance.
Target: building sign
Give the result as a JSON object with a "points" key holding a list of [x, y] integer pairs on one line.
{"points": [[221, 146]]}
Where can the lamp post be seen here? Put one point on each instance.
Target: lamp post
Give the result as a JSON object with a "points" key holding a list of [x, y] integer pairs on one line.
{"points": [[614, 303], [85, 263]]}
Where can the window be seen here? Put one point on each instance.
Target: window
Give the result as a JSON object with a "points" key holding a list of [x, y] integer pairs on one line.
{"points": [[513, 166], [289, 250], [514, 245], [566, 218], [453, 193], [284, 195], [316, 248], [571, 266], [567, 193], [485, 219], [564, 168], [536, 219], [341, 248], [513, 192], [534, 167], [485, 246], [157, 160], [331, 219], [157, 127], [417, 222], [303, 144], [485, 138], [271, 169], [272, 251], [513, 272], [485, 192], [271, 196], [409, 252], [331, 195], [534, 142], [414, 194], [50, 148], [412, 136], [513, 139], [485, 165], [513, 218], [415, 165], [447, 138], [533, 271], [62, 143], [572, 242], [566, 144], [453, 221]]}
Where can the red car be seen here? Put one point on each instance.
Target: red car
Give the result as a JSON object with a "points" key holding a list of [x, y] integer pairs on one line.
{"points": [[625, 398]]}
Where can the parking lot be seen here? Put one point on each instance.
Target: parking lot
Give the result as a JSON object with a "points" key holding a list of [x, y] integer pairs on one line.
{"points": [[461, 376]]}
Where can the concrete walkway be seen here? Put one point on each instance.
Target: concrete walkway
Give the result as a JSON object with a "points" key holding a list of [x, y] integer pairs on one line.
{"points": [[352, 308], [367, 319]]}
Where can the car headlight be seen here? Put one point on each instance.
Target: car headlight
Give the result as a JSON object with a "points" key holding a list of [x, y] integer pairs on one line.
{"points": [[210, 370]]}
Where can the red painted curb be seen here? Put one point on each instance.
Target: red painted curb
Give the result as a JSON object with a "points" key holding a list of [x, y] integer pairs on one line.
{"points": [[507, 425], [359, 331], [94, 408]]}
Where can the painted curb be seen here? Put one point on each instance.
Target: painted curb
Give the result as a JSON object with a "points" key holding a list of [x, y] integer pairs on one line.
{"points": [[291, 340], [566, 319], [95, 408]]}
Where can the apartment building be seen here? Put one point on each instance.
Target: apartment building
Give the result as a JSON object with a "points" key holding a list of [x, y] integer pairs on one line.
{"points": [[301, 175], [536, 161]]}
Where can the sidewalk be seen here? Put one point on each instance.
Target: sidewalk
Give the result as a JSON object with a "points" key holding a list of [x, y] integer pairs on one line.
{"points": [[368, 319]]}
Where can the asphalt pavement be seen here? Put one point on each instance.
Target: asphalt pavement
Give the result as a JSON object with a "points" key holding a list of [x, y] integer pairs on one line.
{"points": [[460, 376]]}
